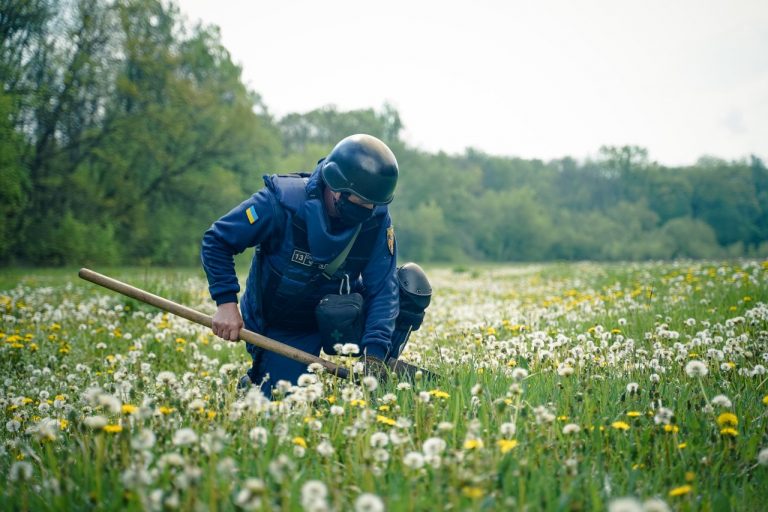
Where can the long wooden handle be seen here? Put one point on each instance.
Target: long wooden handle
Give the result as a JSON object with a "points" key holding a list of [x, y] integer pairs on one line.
{"points": [[203, 319]]}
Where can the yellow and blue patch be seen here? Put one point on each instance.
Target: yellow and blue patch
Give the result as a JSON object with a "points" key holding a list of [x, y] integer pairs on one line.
{"points": [[251, 214]]}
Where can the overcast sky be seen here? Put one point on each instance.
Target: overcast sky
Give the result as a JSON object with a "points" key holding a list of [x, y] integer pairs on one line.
{"points": [[535, 79]]}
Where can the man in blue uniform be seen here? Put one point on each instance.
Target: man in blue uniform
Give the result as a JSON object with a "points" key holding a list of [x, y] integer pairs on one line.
{"points": [[316, 234]]}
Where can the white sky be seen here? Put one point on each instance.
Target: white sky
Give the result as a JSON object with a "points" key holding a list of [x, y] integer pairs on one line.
{"points": [[535, 79]]}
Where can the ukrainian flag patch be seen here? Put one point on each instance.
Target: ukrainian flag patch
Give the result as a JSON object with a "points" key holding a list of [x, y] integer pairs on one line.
{"points": [[252, 215]]}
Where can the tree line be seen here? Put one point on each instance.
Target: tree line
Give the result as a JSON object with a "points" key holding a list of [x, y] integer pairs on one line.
{"points": [[124, 132]]}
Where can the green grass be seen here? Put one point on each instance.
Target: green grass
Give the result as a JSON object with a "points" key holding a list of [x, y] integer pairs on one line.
{"points": [[582, 333]]}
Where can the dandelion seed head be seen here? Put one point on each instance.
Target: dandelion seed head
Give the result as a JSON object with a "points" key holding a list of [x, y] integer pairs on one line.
{"points": [[696, 368], [379, 440], [655, 505], [184, 437], [626, 504], [20, 471], [367, 502], [434, 446], [762, 457], [519, 374], [571, 428], [722, 401], [370, 382]]}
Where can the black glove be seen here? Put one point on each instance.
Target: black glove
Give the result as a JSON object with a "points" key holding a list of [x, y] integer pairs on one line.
{"points": [[375, 367]]}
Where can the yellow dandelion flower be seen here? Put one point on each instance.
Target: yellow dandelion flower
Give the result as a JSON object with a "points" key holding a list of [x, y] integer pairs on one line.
{"points": [[358, 403], [672, 429], [765, 400], [728, 431], [331, 399], [634, 414], [211, 414], [620, 425], [506, 445], [63, 424], [384, 408], [511, 363], [473, 444], [180, 341], [680, 491], [129, 409], [113, 429], [682, 445], [690, 476], [727, 419], [472, 492], [385, 420], [300, 441], [439, 394], [562, 418], [165, 409], [490, 331]]}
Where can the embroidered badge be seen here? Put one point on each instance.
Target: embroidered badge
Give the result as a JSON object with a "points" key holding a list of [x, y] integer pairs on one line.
{"points": [[251, 214], [391, 240]]}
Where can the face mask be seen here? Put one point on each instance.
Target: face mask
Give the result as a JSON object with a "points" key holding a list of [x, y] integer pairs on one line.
{"points": [[351, 214]]}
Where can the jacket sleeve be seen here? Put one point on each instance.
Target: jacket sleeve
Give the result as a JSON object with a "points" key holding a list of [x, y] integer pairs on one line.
{"points": [[381, 295], [247, 225]]}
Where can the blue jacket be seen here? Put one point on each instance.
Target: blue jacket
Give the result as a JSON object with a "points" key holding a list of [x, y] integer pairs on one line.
{"points": [[267, 219]]}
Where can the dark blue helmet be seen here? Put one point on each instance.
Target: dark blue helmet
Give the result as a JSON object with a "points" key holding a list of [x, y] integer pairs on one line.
{"points": [[362, 165]]}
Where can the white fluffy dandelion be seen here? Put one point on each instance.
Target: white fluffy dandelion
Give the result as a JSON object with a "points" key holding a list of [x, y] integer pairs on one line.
{"points": [[184, 436], [507, 429], [655, 505], [722, 401], [349, 349], [434, 446], [165, 378], [258, 436], [313, 494], [20, 471], [762, 457], [367, 502], [413, 460], [663, 416], [627, 504], [325, 448], [696, 368], [95, 422], [571, 428], [379, 440], [370, 382], [519, 374]]}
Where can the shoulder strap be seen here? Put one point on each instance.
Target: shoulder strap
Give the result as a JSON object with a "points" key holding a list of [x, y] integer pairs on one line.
{"points": [[338, 261]]}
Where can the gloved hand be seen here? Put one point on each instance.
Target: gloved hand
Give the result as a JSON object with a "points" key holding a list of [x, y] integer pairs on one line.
{"points": [[375, 367]]}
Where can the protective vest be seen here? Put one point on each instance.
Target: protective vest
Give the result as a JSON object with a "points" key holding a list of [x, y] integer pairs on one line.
{"points": [[292, 282]]}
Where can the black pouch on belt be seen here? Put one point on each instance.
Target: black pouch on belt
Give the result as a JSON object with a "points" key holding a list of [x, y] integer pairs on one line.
{"points": [[340, 318]]}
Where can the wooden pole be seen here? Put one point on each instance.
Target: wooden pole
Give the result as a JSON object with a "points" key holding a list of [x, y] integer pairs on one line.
{"points": [[203, 319]]}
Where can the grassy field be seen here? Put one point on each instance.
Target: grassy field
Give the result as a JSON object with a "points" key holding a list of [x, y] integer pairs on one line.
{"points": [[562, 387]]}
